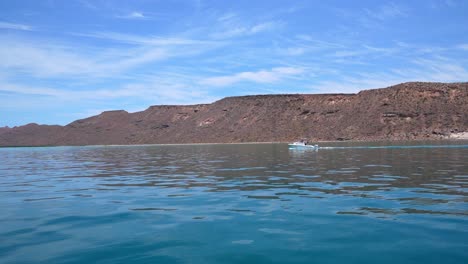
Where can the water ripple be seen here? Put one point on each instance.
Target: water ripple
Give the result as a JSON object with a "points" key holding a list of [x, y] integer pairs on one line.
{"points": [[161, 203]]}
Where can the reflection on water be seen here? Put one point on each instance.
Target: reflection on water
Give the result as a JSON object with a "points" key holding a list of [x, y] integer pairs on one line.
{"points": [[260, 203]]}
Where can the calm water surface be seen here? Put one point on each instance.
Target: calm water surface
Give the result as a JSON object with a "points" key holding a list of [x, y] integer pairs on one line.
{"points": [[257, 203]]}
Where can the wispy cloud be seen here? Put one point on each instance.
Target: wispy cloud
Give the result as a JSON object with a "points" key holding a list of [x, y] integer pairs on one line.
{"points": [[373, 17], [439, 69], [143, 40], [227, 16], [436, 69], [14, 26], [294, 51], [263, 27], [450, 3], [41, 60], [306, 44], [88, 4], [134, 15], [319, 43], [463, 46], [235, 30], [71, 60], [386, 11], [158, 89], [48, 60], [346, 53], [352, 84], [262, 76]]}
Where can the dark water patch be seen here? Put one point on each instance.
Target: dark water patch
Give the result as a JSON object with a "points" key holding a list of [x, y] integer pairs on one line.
{"points": [[18, 232], [378, 210], [82, 195], [178, 195], [15, 191], [268, 197], [153, 209], [422, 200], [422, 211], [42, 199], [241, 210], [350, 213]]}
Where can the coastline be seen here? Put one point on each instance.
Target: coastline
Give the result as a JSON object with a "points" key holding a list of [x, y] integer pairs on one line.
{"points": [[404, 112], [458, 137]]}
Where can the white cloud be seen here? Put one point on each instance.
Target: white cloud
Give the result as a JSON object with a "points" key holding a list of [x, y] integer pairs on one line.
{"points": [[134, 15], [351, 85], [373, 17], [159, 89], [262, 76], [316, 43], [227, 16], [143, 40], [295, 51], [88, 4], [450, 3], [40, 60], [429, 70], [46, 59], [463, 46], [131, 97], [387, 11], [346, 53], [6, 25], [262, 27], [440, 70], [232, 30]]}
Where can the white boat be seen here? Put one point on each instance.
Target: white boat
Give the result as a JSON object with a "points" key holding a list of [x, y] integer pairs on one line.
{"points": [[301, 144]]}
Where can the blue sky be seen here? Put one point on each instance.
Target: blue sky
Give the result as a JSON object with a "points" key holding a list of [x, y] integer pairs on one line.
{"points": [[64, 60]]}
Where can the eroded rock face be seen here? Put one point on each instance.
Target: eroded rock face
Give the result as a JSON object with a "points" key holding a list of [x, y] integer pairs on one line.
{"points": [[404, 111]]}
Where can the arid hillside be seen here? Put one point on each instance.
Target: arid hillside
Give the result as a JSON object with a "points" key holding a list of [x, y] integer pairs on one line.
{"points": [[405, 111]]}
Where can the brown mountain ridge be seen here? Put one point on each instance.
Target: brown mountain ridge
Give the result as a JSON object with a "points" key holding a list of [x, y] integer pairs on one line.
{"points": [[413, 110]]}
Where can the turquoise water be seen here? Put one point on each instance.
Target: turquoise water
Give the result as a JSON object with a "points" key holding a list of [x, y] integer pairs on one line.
{"points": [[253, 203]]}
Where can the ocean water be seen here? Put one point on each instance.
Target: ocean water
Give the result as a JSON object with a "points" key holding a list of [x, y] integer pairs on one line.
{"points": [[252, 203]]}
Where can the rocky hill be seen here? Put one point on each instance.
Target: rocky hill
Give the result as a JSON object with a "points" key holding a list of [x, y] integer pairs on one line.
{"points": [[405, 111]]}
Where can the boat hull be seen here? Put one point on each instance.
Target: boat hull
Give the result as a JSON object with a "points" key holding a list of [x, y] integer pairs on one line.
{"points": [[298, 146]]}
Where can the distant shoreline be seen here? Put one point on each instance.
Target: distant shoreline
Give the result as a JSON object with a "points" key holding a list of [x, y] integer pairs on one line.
{"points": [[408, 111], [456, 138]]}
